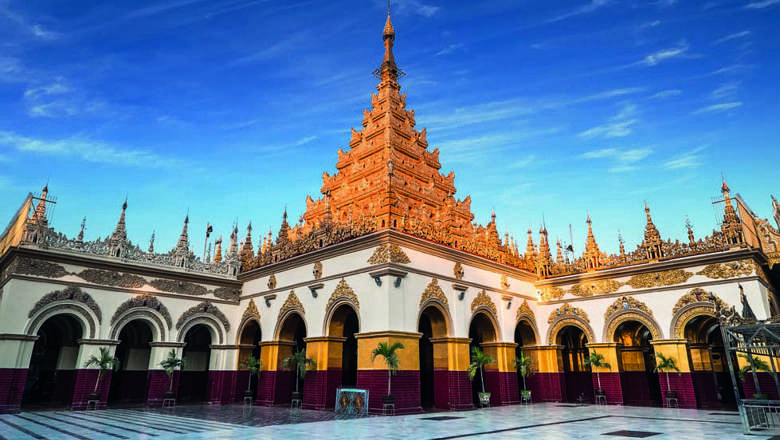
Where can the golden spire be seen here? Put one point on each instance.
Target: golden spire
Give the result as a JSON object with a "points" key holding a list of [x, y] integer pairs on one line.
{"points": [[218, 250], [592, 254], [559, 254], [731, 227], [544, 262], [652, 241], [388, 71], [247, 251]]}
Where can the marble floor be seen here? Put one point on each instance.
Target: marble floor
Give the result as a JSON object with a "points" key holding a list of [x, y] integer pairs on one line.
{"points": [[540, 421]]}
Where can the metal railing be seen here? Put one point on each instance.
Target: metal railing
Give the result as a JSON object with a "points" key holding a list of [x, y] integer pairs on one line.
{"points": [[760, 416]]}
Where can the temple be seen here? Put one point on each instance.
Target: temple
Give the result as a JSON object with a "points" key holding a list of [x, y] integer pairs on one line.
{"points": [[385, 253]]}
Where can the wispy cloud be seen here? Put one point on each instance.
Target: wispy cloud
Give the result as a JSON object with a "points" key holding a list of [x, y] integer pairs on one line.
{"points": [[34, 29], [733, 36], [415, 7], [593, 6], [734, 69], [449, 49], [718, 107], [619, 125], [726, 91], [678, 51], [87, 150], [623, 160], [304, 140], [278, 49], [689, 159], [666, 94], [56, 99], [762, 4]]}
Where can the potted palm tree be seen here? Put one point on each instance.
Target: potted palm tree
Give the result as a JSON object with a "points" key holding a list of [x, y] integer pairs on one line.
{"points": [[478, 362], [760, 365], [524, 366], [301, 363], [596, 360], [664, 365], [388, 353], [170, 364], [104, 362], [253, 365]]}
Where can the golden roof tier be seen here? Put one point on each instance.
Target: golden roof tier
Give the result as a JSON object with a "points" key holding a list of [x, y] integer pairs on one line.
{"points": [[388, 179]]}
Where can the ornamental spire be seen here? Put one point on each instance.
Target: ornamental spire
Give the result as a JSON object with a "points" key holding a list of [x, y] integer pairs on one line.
{"points": [[218, 250], [388, 71], [118, 239], [592, 254], [652, 242], [731, 227]]}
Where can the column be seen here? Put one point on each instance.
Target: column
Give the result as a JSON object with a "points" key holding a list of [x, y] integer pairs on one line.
{"points": [[158, 382], [633, 376], [15, 352], [547, 383], [321, 383], [87, 377], [373, 375], [609, 377], [451, 385], [275, 384], [223, 364], [681, 382], [501, 376]]}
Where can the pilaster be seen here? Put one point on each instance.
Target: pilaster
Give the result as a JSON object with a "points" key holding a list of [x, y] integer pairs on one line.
{"points": [[452, 388], [681, 382], [321, 383], [608, 379], [373, 375]]}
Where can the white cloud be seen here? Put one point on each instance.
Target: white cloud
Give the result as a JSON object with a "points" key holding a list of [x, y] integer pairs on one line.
{"points": [[304, 140], [87, 150], [690, 159], [57, 99], [415, 7], [666, 94], [733, 36], [656, 58], [36, 30], [619, 125], [726, 91], [762, 4], [718, 107], [733, 69], [449, 49], [623, 160], [581, 10]]}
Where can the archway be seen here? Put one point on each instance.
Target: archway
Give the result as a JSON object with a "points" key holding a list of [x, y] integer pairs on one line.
{"points": [[639, 383], [293, 332], [193, 384], [52, 373], [248, 346], [129, 383], [524, 337], [481, 330], [577, 374], [344, 323], [432, 324], [709, 366]]}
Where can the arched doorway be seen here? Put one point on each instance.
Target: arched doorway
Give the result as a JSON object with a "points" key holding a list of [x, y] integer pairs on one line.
{"points": [[293, 331], [482, 330], [577, 374], [193, 385], [524, 337], [709, 366], [52, 372], [639, 383], [248, 346], [129, 383], [344, 323], [432, 324]]}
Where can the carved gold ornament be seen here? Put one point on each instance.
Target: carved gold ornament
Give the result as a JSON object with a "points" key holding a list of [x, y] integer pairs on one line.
{"points": [[389, 253], [626, 303], [594, 287], [207, 308], [567, 310], [698, 295], [317, 271], [272, 281], [483, 300], [291, 303], [343, 292], [251, 311], [657, 279], [457, 270], [551, 293], [504, 282], [525, 310], [728, 270], [433, 291]]}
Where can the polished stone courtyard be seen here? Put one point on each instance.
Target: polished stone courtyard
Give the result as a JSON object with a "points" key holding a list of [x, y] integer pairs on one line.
{"points": [[541, 421]]}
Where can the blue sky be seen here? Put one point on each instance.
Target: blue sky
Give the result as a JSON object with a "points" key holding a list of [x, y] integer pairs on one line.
{"points": [[232, 109]]}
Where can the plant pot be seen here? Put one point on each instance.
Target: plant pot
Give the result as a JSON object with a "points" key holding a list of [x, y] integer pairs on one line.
{"points": [[484, 399], [297, 396], [388, 399], [525, 393], [671, 394]]}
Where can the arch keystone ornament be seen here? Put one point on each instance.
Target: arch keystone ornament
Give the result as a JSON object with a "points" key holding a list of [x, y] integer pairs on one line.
{"points": [[389, 253], [433, 293], [567, 315], [342, 293], [203, 308], [251, 311], [696, 302], [483, 301], [291, 303], [145, 301], [70, 293], [524, 311], [567, 310], [625, 309]]}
